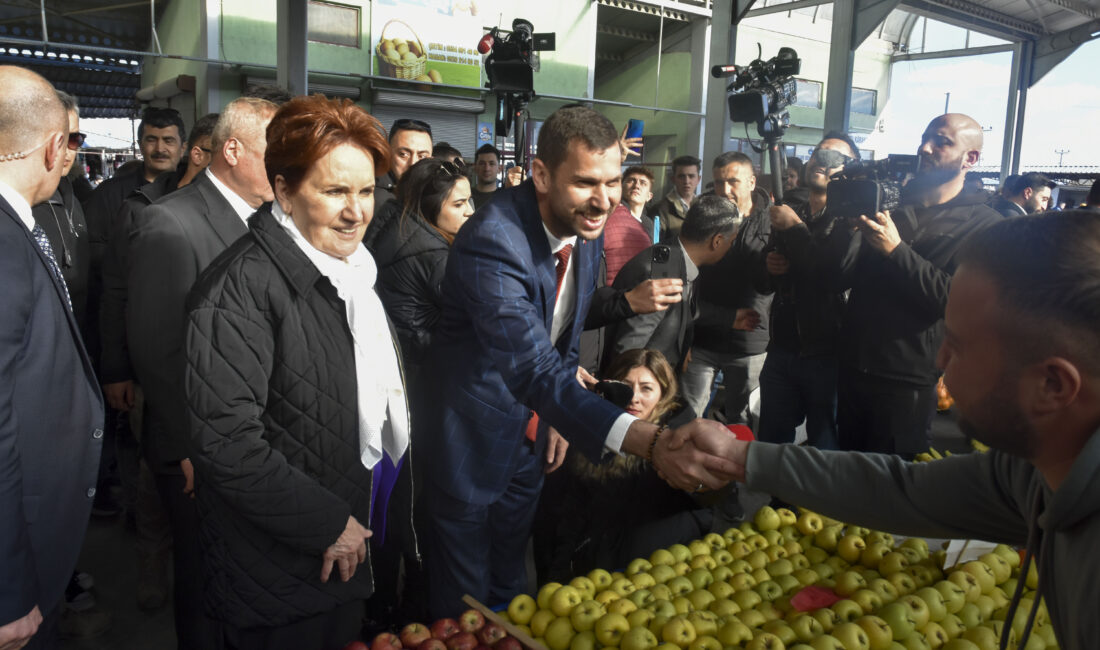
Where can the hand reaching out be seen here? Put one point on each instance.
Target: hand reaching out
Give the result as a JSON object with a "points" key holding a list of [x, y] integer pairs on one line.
{"points": [[655, 295], [556, 447], [347, 553], [18, 633], [724, 453], [629, 146], [689, 466]]}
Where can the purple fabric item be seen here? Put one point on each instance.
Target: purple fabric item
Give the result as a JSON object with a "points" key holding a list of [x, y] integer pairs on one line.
{"points": [[383, 478]]}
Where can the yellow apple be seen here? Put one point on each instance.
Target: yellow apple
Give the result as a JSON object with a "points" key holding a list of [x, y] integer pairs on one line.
{"points": [[521, 609]]}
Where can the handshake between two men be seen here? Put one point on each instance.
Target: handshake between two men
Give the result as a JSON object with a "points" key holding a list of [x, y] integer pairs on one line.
{"points": [[700, 455]]}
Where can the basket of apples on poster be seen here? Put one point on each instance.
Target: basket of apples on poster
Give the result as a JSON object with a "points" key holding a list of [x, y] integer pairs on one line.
{"points": [[783, 580]]}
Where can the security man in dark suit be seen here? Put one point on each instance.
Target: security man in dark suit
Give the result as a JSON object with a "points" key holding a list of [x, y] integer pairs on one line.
{"points": [[171, 243], [709, 229], [51, 412]]}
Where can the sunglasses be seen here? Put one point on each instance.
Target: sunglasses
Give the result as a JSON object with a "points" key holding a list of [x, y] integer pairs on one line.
{"points": [[448, 168], [76, 140], [829, 159]]}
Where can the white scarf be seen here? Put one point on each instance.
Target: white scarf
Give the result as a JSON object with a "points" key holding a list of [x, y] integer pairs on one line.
{"points": [[383, 411]]}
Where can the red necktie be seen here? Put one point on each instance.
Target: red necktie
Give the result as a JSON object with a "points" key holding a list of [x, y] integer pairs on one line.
{"points": [[562, 263]]}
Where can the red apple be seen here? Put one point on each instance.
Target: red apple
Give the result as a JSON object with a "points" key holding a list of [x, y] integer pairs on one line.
{"points": [[508, 643], [461, 641], [491, 633], [444, 628], [471, 620], [432, 644], [386, 641], [414, 634]]}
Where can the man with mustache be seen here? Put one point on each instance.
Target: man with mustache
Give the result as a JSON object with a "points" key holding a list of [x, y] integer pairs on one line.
{"points": [[898, 268], [519, 281]]}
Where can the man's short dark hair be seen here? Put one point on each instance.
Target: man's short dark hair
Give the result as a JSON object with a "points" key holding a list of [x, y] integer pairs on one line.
{"points": [[709, 215], [161, 118], [1016, 185], [487, 148], [638, 170], [730, 157], [271, 92], [1047, 272], [407, 124], [203, 127], [570, 123], [1009, 185], [686, 161], [444, 151], [68, 102], [847, 139]]}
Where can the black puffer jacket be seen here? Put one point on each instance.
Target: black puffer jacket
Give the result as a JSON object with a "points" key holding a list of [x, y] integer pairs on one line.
{"points": [[271, 390], [411, 258]]}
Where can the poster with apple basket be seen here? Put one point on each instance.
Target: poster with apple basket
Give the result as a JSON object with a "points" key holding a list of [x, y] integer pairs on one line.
{"points": [[400, 57]]}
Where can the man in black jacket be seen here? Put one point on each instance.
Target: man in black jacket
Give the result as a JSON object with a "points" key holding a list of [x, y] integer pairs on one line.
{"points": [[410, 142], [899, 268], [799, 376], [709, 229], [1022, 195], [738, 281]]}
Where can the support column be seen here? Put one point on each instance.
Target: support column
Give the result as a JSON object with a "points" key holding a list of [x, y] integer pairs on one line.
{"points": [[209, 99], [1019, 82], [701, 55], [838, 88], [722, 31], [1027, 54], [291, 25]]}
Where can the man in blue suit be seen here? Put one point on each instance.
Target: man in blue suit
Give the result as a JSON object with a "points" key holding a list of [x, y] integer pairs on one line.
{"points": [[51, 411], [519, 280]]}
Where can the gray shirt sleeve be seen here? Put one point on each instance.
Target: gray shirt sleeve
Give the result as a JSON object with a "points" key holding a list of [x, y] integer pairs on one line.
{"points": [[971, 496]]}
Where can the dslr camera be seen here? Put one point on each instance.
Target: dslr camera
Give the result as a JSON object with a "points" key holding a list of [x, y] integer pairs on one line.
{"points": [[864, 188]]}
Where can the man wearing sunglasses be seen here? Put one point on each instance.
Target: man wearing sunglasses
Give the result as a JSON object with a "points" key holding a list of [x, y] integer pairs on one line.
{"points": [[898, 269], [799, 376]]}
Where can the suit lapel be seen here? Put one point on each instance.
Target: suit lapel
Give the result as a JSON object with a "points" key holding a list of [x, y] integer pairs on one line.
{"points": [[219, 213], [541, 258]]}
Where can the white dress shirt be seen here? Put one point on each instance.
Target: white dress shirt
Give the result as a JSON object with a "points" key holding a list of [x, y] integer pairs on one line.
{"points": [[383, 409], [243, 210], [563, 313], [17, 203]]}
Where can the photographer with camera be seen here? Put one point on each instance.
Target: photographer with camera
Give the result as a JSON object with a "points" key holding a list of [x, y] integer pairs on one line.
{"points": [[898, 268], [799, 376]]}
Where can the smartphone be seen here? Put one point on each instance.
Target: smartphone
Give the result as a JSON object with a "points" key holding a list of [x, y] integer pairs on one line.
{"points": [[661, 264], [634, 128]]}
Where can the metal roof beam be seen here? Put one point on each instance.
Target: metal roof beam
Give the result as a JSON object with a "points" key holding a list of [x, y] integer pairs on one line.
{"points": [[1052, 50], [625, 33], [949, 54], [975, 18], [786, 6], [646, 8]]}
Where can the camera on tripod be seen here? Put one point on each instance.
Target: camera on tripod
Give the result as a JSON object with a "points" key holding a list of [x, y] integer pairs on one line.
{"points": [[511, 63], [762, 91], [866, 188]]}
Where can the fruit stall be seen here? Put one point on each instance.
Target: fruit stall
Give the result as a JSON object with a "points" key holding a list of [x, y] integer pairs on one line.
{"points": [[790, 580]]}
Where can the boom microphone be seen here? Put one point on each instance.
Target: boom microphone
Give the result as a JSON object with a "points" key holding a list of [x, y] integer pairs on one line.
{"points": [[722, 71]]}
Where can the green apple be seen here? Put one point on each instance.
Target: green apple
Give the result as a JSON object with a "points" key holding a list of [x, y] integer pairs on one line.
{"points": [[847, 610], [724, 608], [746, 598], [622, 586], [757, 541], [960, 644], [806, 577], [972, 614], [739, 549], [601, 578], [733, 534], [752, 618], [700, 578], [808, 523], [682, 605], [770, 611], [734, 633], [918, 544], [953, 595], [879, 633], [643, 580], [662, 556], [722, 556], [765, 641], [584, 641], [798, 561], [766, 518], [916, 642], [641, 597], [584, 585], [892, 562], [918, 608], [789, 583], [884, 588], [935, 635], [880, 536], [585, 614], [827, 617], [559, 634], [983, 637], [680, 585], [862, 531], [852, 636], [900, 619], [775, 548], [547, 590], [782, 630], [826, 642], [742, 581], [640, 617], [702, 562], [705, 643], [824, 570], [705, 623], [903, 582], [760, 575], [657, 624], [952, 625], [521, 609], [700, 599], [638, 638], [663, 607], [806, 628], [838, 563], [1002, 570], [540, 621], [868, 599], [779, 567], [827, 538], [849, 582], [758, 559], [662, 573], [678, 631], [699, 547], [937, 606], [564, 599], [610, 629], [769, 590], [721, 573], [982, 571], [715, 541], [621, 606], [872, 554], [969, 584]]}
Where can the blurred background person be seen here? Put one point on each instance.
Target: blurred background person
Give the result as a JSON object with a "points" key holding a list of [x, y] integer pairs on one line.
{"points": [[486, 173], [444, 151], [410, 142], [675, 204], [288, 467], [792, 174]]}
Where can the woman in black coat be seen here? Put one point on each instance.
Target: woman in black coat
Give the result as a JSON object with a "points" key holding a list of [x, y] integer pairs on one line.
{"points": [[412, 252], [295, 393]]}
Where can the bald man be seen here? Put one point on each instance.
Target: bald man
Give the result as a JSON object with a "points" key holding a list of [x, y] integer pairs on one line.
{"points": [[51, 412], [898, 267]]}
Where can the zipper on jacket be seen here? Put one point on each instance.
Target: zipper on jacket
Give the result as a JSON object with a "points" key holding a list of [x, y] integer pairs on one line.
{"points": [[412, 480]]}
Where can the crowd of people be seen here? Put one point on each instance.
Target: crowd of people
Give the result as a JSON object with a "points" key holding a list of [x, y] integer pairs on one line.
{"points": [[342, 376]]}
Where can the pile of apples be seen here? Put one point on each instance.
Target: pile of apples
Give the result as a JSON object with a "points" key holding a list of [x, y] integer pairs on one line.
{"points": [[801, 582], [469, 632]]}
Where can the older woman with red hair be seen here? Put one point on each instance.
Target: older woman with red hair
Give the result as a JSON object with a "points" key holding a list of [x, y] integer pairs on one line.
{"points": [[298, 411]]}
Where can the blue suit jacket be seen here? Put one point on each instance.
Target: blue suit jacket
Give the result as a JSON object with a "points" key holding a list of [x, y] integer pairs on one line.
{"points": [[492, 355], [51, 419]]}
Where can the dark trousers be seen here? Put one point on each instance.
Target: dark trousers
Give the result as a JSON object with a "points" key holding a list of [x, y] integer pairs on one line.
{"points": [[481, 549], [793, 388], [194, 629], [329, 631], [883, 416]]}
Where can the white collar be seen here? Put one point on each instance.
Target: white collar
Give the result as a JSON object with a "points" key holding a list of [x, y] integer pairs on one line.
{"points": [[324, 262], [691, 268], [239, 205], [555, 243], [17, 203]]}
